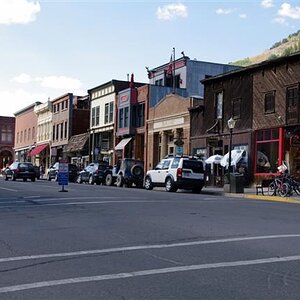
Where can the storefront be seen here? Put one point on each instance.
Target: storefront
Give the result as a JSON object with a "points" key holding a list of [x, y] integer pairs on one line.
{"points": [[269, 151], [292, 150]]}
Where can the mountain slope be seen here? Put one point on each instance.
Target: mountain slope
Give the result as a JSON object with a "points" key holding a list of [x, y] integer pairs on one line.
{"points": [[287, 46]]}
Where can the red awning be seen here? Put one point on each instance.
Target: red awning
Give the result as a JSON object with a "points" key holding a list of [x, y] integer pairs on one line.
{"points": [[37, 150]]}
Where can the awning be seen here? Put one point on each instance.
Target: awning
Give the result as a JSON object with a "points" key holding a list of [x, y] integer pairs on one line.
{"points": [[37, 150], [76, 142], [236, 156], [122, 144], [214, 159]]}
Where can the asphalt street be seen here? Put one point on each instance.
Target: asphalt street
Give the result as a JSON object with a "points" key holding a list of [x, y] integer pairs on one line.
{"points": [[99, 242]]}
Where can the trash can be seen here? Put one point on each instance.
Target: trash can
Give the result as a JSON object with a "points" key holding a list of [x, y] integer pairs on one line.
{"points": [[236, 183]]}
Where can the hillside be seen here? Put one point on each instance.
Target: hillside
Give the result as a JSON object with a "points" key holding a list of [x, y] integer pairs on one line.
{"points": [[287, 46]]}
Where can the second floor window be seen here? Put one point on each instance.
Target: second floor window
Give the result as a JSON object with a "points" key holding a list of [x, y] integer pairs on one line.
{"points": [[121, 118], [66, 129], [95, 116], [138, 115], [270, 102], [61, 131], [292, 97], [126, 116], [236, 108], [219, 105], [6, 134], [57, 131], [109, 112]]}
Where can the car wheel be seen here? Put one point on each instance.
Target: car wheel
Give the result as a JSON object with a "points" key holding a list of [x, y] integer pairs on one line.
{"points": [[33, 179], [120, 181], [6, 178], [170, 185], [14, 177], [48, 177], [148, 183], [109, 180], [24, 179], [91, 180]]}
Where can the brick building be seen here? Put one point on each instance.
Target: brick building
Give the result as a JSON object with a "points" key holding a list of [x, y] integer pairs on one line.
{"points": [[70, 116], [7, 136], [25, 132]]}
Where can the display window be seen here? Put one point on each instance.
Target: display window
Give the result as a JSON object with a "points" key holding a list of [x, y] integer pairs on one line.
{"points": [[268, 150]]}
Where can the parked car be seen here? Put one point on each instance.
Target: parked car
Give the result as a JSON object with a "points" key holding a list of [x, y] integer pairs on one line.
{"points": [[94, 173], [23, 170], [53, 172], [126, 172], [177, 172]]}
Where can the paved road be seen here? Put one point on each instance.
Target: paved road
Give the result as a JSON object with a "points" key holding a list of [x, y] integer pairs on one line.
{"points": [[98, 242]]}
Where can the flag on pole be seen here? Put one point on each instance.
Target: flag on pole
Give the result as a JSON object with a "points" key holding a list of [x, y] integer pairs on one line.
{"points": [[170, 66]]}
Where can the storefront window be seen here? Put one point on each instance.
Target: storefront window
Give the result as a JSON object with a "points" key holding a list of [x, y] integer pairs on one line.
{"points": [[267, 151]]}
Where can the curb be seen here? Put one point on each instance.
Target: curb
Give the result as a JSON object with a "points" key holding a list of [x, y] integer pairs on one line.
{"points": [[264, 198]]}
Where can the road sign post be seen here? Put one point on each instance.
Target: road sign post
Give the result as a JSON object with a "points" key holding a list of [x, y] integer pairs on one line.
{"points": [[63, 175]]}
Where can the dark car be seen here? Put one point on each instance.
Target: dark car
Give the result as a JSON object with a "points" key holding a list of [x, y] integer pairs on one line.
{"points": [[23, 170], [53, 172], [94, 173], [126, 172]]}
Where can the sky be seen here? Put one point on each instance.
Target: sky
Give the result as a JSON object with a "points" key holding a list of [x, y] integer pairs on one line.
{"points": [[52, 47]]}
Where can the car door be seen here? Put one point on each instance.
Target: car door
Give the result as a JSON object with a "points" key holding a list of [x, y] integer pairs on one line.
{"points": [[164, 171], [161, 170], [156, 172]]}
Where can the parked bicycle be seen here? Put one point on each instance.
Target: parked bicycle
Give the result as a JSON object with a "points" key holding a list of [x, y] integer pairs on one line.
{"points": [[279, 186], [293, 183]]}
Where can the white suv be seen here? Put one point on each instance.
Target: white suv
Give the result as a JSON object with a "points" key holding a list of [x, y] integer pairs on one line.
{"points": [[177, 173]]}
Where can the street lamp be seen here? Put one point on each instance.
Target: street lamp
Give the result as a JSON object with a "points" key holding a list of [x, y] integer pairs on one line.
{"points": [[231, 124]]}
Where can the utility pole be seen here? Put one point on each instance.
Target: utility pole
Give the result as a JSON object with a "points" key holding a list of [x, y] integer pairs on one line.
{"points": [[173, 71]]}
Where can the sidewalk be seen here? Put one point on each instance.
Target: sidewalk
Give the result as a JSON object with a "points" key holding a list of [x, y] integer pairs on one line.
{"points": [[250, 193]]}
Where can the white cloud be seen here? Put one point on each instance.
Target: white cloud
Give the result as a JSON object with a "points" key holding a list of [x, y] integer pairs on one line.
{"points": [[267, 3], [18, 99], [18, 11], [287, 10], [23, 78], [171, 11], [60, 82], [221, 11], [54, 82], [243, 16]]}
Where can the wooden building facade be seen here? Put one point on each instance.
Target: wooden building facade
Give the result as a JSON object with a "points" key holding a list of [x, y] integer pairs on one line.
{"points": [[264, 101]]}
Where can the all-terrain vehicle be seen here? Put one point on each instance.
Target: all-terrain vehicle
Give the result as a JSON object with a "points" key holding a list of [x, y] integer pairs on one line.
{"points": [[126, 172]]}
